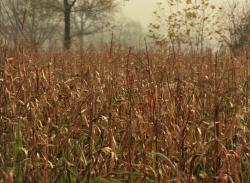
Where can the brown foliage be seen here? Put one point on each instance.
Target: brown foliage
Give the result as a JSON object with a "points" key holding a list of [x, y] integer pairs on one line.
{"points": [[129, 116]]}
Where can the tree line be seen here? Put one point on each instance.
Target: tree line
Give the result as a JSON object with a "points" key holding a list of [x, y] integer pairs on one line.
{"points": [[42, 20]]}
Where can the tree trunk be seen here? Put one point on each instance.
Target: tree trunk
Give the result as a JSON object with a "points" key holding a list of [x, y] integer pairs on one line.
{"points": [[82, 29], [67, 12]]}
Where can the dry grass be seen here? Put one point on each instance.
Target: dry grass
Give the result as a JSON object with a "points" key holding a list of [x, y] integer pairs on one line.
{"points": [[123, 115]]}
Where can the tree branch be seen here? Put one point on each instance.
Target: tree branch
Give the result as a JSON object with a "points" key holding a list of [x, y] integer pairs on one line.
{"points": [[72, 4]]}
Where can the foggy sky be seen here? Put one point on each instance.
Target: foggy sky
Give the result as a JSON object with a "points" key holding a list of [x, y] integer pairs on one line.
{"points": [[142, 10]]}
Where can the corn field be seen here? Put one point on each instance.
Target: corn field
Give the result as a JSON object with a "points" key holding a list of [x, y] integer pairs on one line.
{"points": [[117, 114]]}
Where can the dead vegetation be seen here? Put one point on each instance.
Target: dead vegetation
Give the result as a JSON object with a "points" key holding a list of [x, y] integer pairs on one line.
{"points": [[123, 115]]}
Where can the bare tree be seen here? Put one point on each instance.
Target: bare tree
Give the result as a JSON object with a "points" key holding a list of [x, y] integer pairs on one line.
{"points": [[92, 16], [26, 18], [67, 13], [236, 33], [87, 16]]}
